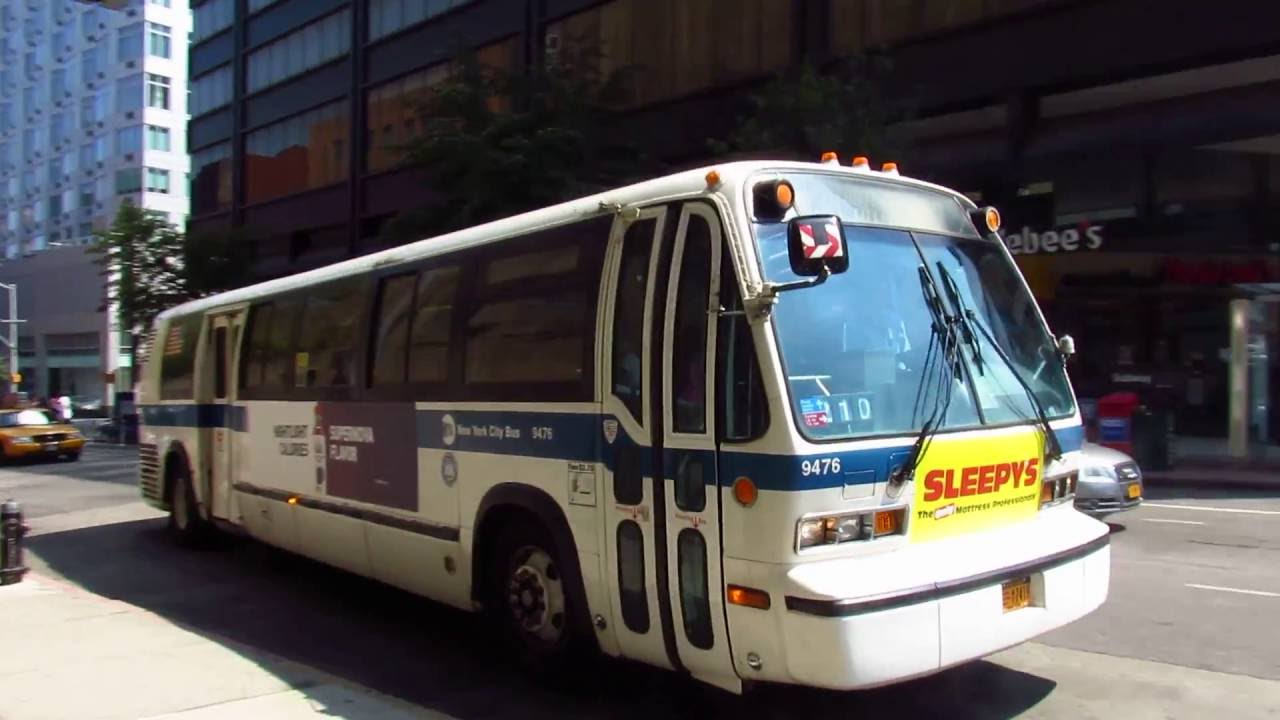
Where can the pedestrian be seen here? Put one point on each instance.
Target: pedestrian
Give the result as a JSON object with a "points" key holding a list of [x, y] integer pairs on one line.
{"points": [[63, 404]]}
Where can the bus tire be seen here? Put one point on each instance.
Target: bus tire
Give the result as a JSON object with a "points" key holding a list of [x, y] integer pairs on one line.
{"points": [[535, 606], [186, 526]]}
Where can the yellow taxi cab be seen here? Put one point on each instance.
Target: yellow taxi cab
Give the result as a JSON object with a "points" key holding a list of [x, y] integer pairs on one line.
{"points": [[37, 434]]}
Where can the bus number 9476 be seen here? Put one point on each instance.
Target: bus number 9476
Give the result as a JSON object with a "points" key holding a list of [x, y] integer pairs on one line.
{"points": [[820, 466]]}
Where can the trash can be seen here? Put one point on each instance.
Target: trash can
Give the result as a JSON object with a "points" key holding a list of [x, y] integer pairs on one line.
{"points": [[1115, 420]]}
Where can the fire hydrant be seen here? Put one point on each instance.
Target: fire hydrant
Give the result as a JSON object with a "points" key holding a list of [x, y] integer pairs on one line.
{"points": [[11, 533]]}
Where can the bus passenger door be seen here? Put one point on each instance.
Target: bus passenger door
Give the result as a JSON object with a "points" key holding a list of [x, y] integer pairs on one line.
{"points": [[630, 373], [218, 400], [691, 497]]}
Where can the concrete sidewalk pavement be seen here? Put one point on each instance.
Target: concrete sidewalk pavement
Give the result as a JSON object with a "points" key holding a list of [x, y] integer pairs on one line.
{"points": [[68, 653]]}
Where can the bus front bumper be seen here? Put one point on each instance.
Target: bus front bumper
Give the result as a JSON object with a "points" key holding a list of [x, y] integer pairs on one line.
{"points": [[942, 605]]}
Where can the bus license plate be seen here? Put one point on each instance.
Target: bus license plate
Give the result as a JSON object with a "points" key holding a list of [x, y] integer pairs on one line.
{"points": [[1134, 490], [1017, 594]]}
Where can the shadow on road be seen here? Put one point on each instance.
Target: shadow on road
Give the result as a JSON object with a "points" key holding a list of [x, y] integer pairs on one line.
{"points": [[442, 658]]}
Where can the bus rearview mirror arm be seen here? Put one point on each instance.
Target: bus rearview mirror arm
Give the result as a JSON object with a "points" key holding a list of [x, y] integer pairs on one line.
{"points": [[761, 306]]}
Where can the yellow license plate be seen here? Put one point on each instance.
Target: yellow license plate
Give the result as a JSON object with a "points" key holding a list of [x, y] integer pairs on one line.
{"points": [[1017, 594], [1134, 490]]}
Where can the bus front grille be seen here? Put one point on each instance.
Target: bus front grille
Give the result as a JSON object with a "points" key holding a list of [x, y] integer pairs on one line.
{"points": [[149, 472]]}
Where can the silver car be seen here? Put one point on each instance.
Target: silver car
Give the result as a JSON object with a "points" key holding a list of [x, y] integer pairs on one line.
{"points": [[1109, 481]]}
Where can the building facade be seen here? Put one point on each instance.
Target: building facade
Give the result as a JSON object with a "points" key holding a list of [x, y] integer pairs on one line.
{"points": [[93, 112], [1133, 146]]}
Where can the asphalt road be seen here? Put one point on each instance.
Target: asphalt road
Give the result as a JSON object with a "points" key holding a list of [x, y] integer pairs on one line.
{"points": [[1189, 630]]}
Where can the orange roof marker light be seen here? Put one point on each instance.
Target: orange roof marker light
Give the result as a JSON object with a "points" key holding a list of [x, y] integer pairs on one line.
{"points": [[890, 168], [992, 216], [830, 158], [861, 161], [713, 179]]}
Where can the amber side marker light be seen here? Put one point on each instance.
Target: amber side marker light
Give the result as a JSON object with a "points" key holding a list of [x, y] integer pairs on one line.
{"points": [[748, 597], [745, 491], [292, 500]]}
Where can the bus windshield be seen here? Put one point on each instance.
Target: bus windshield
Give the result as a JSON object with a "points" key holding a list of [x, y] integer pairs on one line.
{"points": [[857, 348]]}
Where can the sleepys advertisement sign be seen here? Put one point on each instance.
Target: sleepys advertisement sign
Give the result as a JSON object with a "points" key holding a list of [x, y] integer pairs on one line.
{"points": [[968, 484]]}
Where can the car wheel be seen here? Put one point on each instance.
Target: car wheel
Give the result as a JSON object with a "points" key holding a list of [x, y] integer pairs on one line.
{"points": [[186, 525], [537, 608]]}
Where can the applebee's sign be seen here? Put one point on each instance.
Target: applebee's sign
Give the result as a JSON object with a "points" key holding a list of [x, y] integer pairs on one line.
{"points": [[1029, 242]]}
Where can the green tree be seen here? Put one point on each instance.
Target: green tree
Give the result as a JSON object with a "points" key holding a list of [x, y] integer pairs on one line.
{"points": [[141, 256], [495, 143], [803, 112]]}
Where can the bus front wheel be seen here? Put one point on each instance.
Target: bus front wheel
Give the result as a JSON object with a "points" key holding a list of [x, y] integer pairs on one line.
{"points": [[532, 599], [185, 524]]}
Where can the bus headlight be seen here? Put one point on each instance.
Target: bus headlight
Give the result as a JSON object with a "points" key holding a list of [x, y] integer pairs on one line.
{"points": [[847, 527]]}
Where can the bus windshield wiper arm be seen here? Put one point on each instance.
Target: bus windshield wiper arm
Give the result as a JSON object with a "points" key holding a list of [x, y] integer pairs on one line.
{"points": [[964, 316], [970, 320], [944, 332]]}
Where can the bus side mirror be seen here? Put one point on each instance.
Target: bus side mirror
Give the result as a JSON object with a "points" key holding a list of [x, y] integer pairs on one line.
{"points": [[816, 245]]}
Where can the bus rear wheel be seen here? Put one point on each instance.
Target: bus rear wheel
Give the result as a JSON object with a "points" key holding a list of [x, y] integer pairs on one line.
{"points": [[533, 602]]}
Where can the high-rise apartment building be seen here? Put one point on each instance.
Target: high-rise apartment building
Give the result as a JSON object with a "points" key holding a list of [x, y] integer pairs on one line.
{"points": [[93, 111]]}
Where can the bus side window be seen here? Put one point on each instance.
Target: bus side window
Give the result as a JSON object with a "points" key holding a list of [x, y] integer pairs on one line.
{"points": [[744, 408], [255, 355], [689, 351], [391, 338]]}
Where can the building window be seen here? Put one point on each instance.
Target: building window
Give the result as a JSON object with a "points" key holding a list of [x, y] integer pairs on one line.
{"points": [[129, 140], [87, 195], [157, 138], [128, 180], [757, 42], [129, 43], [393, 116], [211, 179], [129, 93], [388, 16], [157, 181], [58, 85], [158, 41], [58, 128], [211, 91], [307, 47], [306, 151], [90, 21], [157, 91], [212, 18]]}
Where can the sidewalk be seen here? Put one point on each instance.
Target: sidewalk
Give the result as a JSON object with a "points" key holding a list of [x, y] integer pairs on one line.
{"points": [[68, 653]]}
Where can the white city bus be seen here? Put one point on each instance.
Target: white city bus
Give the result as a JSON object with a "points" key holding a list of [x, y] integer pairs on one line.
{"points": [[771, 421]]}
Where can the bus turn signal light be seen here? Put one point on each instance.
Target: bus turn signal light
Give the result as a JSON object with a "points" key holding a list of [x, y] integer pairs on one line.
{"points": [[748, 597], [992, 217]]}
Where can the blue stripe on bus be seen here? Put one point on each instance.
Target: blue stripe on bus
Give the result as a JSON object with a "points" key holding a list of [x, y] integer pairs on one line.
{"points": [[579, 437], [203, 415]]}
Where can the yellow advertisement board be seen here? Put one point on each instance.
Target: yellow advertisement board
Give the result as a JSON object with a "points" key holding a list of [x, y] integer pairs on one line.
{"points": [[967, 484]]}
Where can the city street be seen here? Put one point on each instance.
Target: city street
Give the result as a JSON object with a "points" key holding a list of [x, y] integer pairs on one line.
{"points": [[1188, 631]]}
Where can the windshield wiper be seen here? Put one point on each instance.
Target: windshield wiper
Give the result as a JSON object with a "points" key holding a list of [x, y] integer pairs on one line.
{"points": [[944, 331], [969, 320], [965, 317]]}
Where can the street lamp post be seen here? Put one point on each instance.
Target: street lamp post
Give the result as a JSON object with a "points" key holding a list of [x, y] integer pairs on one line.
{"points": [[12, 340]]}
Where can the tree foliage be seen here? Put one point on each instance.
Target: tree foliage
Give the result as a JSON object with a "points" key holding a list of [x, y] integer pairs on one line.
{"points": [[494, 143], [141, 256], [150, 266], [802, 112]]}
